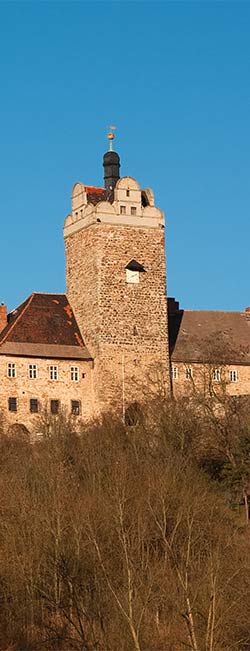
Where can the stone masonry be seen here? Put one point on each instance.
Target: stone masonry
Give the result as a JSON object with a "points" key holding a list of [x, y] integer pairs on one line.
{"points": [[42, 388], [124, 324], [114, 326]]}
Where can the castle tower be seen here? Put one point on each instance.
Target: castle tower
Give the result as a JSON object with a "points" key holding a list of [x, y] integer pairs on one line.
{"points": [[116, 285]]}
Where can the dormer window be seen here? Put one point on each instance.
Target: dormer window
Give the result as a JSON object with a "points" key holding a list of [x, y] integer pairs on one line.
{"points": [[133, 270], [132, 276]]}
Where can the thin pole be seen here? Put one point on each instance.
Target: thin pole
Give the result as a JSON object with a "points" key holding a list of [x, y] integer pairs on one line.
{"points": [[123, 387]]}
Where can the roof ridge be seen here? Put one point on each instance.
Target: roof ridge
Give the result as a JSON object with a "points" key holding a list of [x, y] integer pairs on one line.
{"points": [[49, 293], [29, 300], [216, 311], [94, 187]]}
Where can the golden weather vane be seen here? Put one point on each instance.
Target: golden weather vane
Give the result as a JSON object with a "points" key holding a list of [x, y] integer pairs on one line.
{"points": [[111, 136]]}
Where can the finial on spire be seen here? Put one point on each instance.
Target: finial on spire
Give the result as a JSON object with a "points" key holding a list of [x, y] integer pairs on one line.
{"points": [[111, 164], [110, 137]]}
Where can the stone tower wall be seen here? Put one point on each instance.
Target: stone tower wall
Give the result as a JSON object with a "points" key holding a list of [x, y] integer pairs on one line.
{"points": [[123, 324]]}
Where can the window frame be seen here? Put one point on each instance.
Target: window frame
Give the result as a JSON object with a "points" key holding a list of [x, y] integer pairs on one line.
{"points": [[32, 371], [132, 277], [216, 375], [233, 375], [12, 404], [54, 410], [53, 372], [75, 407], [34, 405], [11, 370], [74, 373], [188, 373], [122, 210], [174, 372]]}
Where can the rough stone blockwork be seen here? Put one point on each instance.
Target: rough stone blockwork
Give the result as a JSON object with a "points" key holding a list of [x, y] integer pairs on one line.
{"points": [[124, 324]]}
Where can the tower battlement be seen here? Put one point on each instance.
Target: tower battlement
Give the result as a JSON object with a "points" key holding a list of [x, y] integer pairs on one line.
{"points": [[130, 206]]}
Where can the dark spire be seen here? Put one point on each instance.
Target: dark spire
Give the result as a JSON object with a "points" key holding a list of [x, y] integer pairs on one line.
{"points": [[111, 164]]}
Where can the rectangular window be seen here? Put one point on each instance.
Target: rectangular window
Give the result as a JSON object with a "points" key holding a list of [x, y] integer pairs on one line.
{"points": [[189, 373], [32, 371], [133, 210], [122, 210], [216, 375], [74, 373], [174, 372], [54, 406], [75, 407], [132, 276], [11, 370], [33, 405], [233, 376], [53, 372], [127, 193], [12, 404]]}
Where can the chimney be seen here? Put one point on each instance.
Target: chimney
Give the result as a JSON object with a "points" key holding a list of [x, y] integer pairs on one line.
{"points": [[3, 317], [173, 306]]}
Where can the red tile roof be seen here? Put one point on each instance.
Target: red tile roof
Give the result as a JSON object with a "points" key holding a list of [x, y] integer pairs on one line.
{"points": [[200, 335], [43, 322], [94, 195]]}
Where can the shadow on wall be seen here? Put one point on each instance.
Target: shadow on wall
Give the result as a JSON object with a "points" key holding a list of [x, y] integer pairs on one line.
{"points": [[19, 431], [174, 322]]}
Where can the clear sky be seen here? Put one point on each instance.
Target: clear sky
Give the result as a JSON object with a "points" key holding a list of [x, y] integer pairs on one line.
{"points": [[175, 79]]}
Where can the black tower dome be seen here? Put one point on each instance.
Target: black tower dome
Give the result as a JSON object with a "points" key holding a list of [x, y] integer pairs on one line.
{"points": [[111, 164]]}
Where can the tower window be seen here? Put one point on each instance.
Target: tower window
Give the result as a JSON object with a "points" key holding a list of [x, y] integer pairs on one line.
{"points": [[11, 370], [12, 402], [133, 210], [75, 407], [127, 193], [132, 276], [122, 210], [33, 405]]}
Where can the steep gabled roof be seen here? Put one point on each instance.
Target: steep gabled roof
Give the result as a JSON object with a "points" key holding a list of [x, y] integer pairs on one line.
{"points": [[43, 326], [201, 335]]}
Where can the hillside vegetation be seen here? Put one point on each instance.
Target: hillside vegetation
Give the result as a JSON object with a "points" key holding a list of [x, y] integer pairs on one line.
{"points": [[128, 538]]}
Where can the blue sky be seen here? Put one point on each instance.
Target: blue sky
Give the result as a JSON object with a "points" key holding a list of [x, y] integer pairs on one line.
{"points": [[175, 79]]}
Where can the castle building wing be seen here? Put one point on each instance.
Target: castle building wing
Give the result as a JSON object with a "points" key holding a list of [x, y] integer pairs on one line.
{"points": [[202, 336], [43, 326]]}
